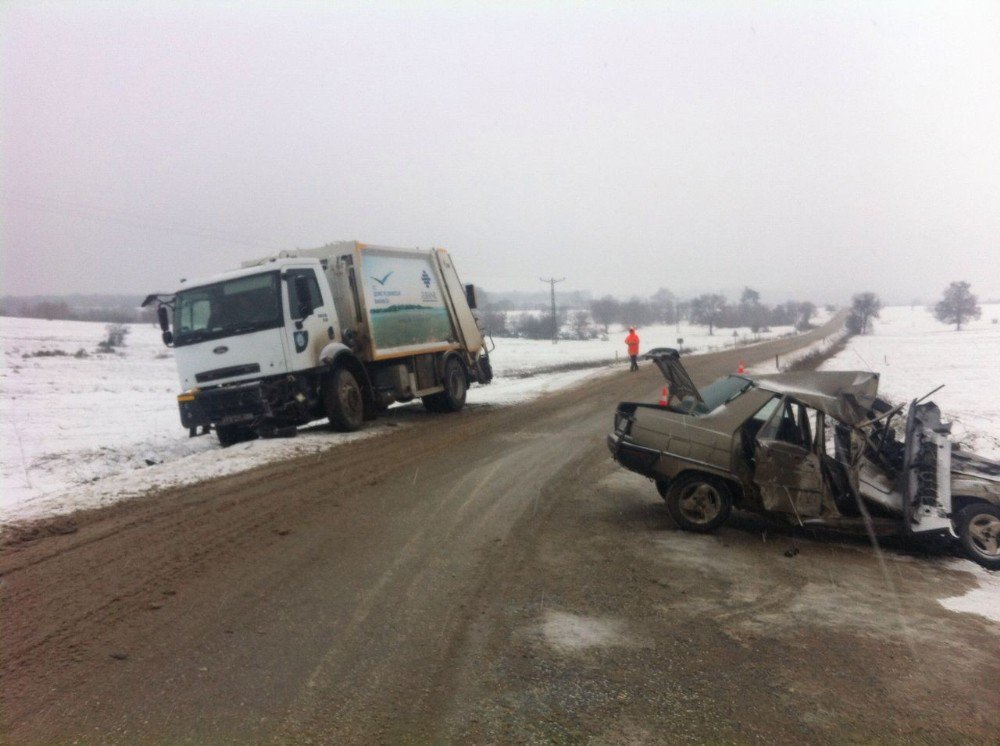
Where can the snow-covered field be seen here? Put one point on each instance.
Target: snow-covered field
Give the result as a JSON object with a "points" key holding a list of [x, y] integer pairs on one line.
{"points": [[84, 429], [914, 353]]}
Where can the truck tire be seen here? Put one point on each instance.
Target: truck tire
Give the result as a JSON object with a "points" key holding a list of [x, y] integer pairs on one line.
{"points": [[230, 435], [455, 385], [978, 528], [699, 502], [343, 401]]}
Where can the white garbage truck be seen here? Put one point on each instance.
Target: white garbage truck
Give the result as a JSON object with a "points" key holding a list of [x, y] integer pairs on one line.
{"points": [[341, 331]]}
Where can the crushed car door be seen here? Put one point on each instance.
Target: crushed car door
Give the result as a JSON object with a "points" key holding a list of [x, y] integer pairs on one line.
{"points": [[786, 464]]}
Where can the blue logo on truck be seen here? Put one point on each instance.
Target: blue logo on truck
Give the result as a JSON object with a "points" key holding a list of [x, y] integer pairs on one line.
{"points": [[301, 340], [425, 278]]}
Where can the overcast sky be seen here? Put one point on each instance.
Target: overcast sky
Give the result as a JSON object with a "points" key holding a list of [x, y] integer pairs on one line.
{"points": [[809, 150]]}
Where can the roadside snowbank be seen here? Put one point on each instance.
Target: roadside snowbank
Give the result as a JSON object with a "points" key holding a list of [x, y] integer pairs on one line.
{"points": [[785, 362]]}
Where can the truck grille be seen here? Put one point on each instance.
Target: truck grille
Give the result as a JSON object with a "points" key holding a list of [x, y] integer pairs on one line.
{"points": [[233, 370]]}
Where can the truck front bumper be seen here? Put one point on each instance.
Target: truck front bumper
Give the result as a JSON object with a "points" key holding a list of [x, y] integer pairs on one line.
{"points": [[225, 405]]}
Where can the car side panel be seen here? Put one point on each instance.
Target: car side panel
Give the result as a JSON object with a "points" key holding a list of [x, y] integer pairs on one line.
{"points": [[708, 442]]}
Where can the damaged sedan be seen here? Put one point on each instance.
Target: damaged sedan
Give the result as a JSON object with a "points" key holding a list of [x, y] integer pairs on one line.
{"points": [[812, 449]]}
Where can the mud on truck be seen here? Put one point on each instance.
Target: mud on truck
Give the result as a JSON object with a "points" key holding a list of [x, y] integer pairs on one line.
{"points": [[341, 332]]}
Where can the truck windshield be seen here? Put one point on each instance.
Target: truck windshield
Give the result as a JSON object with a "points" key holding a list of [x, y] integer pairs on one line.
{"points": [[246, 304]]}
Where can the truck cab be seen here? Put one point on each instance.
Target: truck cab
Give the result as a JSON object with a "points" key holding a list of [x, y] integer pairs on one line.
{"points": [[247, 323]]}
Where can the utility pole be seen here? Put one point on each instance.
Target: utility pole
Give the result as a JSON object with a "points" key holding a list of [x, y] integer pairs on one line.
{"points": [[555, 323]]}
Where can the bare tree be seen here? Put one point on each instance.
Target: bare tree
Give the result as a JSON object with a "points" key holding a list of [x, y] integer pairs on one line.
{"points": [[635, 312], [581, 325], [605, 310], [664, 306], [495, 322], [864, 308], [958, 305], [750, 297], [707, 309], [807, 309]]}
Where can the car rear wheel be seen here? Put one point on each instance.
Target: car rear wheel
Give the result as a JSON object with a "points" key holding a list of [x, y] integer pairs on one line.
{"points": [[978, 527], [698, 502]]}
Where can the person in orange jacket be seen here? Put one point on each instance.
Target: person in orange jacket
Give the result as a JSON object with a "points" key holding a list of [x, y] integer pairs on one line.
{"points": [[632, 340]]}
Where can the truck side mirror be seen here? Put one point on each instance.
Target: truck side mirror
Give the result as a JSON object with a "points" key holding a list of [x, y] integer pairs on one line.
{"points": [[305, 308], [472, 296], [168, 336]]}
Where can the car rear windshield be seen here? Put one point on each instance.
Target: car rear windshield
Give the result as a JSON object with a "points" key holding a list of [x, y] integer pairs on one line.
{"points": [[716, 394], [239, 306]]}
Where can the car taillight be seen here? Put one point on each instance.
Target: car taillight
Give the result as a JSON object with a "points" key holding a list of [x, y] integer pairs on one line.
{"points": [[623, 423]]}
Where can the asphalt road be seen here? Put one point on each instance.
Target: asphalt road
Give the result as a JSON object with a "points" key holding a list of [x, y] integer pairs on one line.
{"points": [[485, 576]]}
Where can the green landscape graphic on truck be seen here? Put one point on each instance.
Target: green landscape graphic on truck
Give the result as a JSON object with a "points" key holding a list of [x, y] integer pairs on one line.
{"points": [[406, 304]]}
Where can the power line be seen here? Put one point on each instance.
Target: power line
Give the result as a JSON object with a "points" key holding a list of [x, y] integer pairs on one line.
{"points": [[92, 212]]}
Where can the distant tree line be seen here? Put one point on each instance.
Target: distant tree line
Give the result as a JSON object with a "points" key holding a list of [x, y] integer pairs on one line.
{"points": [[709, 309], [662, 307], [61, 310]]}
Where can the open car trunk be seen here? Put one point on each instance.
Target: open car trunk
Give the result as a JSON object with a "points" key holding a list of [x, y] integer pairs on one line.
{"points": [[679, 383]]}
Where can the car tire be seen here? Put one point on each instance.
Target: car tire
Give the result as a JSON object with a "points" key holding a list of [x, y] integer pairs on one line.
{"points": [[343, 401], [978, 528], [699, 502], [230, 435]]}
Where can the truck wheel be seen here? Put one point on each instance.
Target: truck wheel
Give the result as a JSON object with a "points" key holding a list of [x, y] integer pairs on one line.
{"points": [[343, 401], [978, 527], [230, 435], [698, 502], [452, 398]]}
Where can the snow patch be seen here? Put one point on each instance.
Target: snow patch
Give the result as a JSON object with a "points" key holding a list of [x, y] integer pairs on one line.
{"points": [[983, 601], [572, 632]]}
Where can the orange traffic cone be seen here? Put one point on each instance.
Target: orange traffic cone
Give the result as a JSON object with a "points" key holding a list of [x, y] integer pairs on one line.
{"points": [[664, 397], [741, 370]]}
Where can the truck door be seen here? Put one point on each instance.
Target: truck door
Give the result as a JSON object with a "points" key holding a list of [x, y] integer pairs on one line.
{"points": [[786, 464], [306, 337]]}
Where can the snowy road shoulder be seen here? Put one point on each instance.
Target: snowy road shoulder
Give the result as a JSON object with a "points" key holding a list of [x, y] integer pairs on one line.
{"points": [[983, 601], [83, 429]]}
